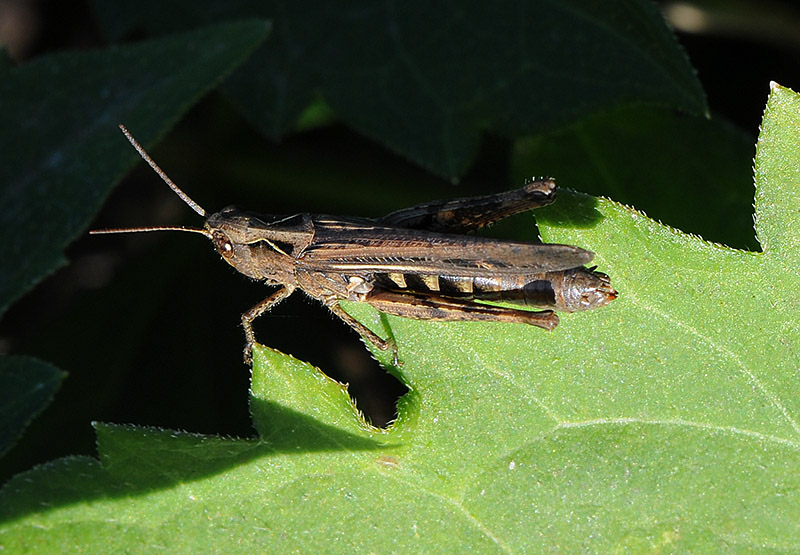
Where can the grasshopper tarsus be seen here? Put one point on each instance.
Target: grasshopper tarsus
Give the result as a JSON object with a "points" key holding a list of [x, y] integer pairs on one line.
{"points": [[247, 356], [414, 262]]}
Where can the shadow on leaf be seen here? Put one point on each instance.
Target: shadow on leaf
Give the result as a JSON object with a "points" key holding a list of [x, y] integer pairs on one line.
{"points": [[571, 209], [293, 432], [138, 460]]}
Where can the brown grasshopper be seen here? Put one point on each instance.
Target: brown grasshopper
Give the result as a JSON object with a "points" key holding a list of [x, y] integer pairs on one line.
{"points": [[416, 262]]}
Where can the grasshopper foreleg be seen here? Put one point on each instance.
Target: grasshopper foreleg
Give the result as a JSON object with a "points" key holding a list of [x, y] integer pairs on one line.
{"points": [[255, 312]]}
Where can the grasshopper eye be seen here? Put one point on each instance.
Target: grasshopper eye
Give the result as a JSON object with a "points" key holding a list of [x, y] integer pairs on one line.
{"points": [[222, 244]]}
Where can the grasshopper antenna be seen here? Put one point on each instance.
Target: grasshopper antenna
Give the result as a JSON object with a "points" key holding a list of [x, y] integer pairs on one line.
{"points": [[151, 228], [184, 197], [146, 157]]}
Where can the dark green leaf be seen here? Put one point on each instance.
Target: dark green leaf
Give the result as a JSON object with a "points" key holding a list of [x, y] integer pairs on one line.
{"points": [[694, 174], [26, 387], [66, 152], [427, 79]]}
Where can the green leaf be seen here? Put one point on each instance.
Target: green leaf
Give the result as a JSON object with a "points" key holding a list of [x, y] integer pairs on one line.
{"points": [[667, 420], [428, 79], [66, 152], [26, 387]]}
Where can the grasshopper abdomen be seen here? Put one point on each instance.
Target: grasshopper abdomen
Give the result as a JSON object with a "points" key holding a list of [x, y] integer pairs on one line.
{"points": [[566, 290]]}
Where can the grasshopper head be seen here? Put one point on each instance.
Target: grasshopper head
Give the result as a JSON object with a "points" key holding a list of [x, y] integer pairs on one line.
{"points": [[261, 247]]}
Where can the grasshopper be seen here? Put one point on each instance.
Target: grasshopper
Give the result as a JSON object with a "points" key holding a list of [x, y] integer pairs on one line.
{"points": [[416, 262]]}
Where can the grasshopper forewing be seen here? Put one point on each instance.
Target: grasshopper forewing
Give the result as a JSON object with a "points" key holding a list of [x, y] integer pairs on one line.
{"points": [[414, 262]]}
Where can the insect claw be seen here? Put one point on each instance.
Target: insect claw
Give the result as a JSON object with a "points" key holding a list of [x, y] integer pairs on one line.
{"points": [[396, 362], [248, 354], [390, 344]]}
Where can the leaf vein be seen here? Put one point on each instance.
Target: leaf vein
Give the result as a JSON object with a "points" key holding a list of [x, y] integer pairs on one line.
{"points": [[728, 353], [685, 423]]}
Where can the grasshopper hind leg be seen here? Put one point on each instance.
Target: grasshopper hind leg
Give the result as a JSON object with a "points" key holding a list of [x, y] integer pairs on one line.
{"points": [[467, 214], [437, 308], [375, 339], [446, 309]]}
